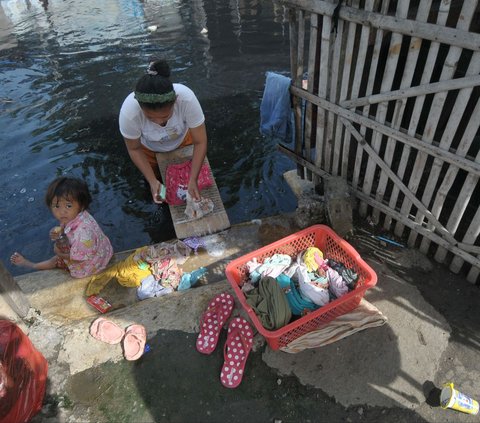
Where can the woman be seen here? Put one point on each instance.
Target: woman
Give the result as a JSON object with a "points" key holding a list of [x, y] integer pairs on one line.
{"points": [[160, 116]]}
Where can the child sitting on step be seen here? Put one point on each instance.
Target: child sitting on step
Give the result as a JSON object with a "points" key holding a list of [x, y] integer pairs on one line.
{"points": [[80, 244]]}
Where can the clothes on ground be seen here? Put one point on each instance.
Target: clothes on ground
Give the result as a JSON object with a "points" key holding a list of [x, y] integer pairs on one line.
{"points": [[195, 243], [90, 249], [154, 270], [190, 279], [149, 287], [128, 272], [187, 113], [177, 176], [275, 108]]}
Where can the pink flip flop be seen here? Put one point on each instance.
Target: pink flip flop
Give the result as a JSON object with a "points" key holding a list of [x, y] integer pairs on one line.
{"points": [[212, 321], [106, 331], [134, 342], [237, 347]]}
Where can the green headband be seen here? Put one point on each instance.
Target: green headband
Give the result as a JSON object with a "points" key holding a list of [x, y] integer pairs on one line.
{"points": [[155, 98]]}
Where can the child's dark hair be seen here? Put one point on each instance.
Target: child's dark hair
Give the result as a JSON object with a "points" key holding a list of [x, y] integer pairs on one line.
{"points": [[155, 90], [70, 189]]}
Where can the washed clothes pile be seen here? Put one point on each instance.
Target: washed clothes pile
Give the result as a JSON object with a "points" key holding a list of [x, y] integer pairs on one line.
{"points": [[281, 288], [154, 270]]}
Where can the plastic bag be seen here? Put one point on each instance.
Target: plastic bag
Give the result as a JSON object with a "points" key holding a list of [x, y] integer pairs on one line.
{"points": [[23, 375]]}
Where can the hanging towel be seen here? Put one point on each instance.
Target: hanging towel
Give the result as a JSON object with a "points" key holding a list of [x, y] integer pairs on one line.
{"points": [[275, 108]]}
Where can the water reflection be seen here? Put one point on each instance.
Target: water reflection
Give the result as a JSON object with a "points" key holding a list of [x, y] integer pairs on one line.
{"points": [[65, 68]]}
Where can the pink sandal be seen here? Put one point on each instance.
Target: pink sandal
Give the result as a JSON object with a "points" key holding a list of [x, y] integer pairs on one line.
{"points": [[134, 342], [212, 321], [237, 347], [106, 331]]}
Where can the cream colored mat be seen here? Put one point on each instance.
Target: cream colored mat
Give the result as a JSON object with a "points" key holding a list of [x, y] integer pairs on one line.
{"points": [[366, 315]]}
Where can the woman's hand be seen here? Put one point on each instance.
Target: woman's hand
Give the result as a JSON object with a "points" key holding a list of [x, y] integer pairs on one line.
{"points": [[155, 190], [194, 191]]}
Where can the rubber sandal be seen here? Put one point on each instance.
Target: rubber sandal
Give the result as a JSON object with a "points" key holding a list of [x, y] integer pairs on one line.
{"points": [[218, 311], [134, 342], [235, 352], [106, 331]]}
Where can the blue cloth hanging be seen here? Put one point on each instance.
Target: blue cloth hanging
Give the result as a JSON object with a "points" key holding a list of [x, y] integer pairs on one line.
{"points": [[275, 108]]}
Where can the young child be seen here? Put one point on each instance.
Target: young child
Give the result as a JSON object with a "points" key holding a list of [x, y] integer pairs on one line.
{"points": [[80, 244]]}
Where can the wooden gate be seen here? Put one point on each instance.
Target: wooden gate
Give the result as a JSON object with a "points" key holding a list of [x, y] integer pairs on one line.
{"points": [[391, 103]]}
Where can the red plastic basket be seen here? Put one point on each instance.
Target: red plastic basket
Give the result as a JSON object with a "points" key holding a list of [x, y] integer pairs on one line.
{"points": [[332, 246]]}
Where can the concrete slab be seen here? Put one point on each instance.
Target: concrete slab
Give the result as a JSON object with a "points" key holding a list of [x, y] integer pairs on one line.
{"points": [[388, 373], [384, 366]]}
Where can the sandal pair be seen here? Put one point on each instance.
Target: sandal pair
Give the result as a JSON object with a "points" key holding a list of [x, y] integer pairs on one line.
{"points": [[239, 338], [133, 338]]}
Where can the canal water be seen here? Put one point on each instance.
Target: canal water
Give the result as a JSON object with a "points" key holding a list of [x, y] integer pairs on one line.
{"points": [[67, 65]]}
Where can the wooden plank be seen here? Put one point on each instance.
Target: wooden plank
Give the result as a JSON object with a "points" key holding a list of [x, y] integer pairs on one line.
{"points": [[470, 237], [459, 36], [357, 79], [340, 152], [468, 186], [377, 141], [209, 224], [313, 53], [323, 86], [388, 171], [406, 81], [431, 149], [293, 32], [379, 37], [460, 250], [413, 91], [333, 150], [436, 108], [407, 154], [449, 133]]}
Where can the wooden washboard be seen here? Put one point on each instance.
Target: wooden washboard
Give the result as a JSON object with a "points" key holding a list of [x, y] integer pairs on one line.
{"points": [[209, 224]]}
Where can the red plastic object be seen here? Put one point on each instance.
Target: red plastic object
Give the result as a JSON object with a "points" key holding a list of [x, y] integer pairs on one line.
{"points": [[333, 247], [23, 375], [101, 304]]}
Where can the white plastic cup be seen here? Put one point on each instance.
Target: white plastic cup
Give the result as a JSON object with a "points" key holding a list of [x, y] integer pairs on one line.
{"points": [[452, 398]]}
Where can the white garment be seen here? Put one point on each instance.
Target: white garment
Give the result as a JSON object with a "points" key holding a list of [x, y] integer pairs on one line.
{"points": [[316, 294], [187, 113], [150, 287], [198, 209]]}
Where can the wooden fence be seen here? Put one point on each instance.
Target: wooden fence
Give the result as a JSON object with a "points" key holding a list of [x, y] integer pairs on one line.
{"points": [[391, 104]]}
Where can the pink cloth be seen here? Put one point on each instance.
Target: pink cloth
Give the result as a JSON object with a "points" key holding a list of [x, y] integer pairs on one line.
{"points": [[90, 249], [177, 176]]}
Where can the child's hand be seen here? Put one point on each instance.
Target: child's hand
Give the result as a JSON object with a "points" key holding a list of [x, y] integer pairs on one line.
{"points": [[60, 253], [56, 232]]}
